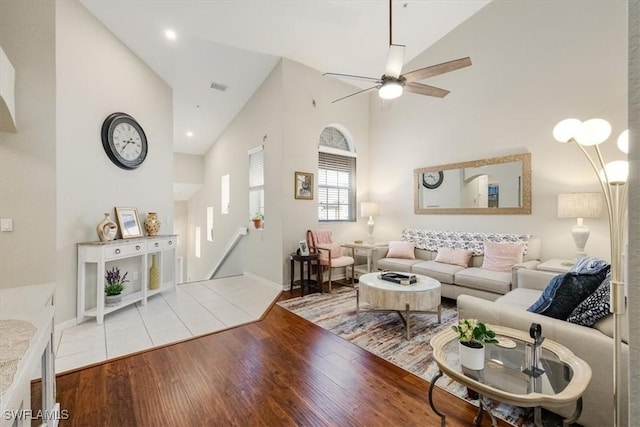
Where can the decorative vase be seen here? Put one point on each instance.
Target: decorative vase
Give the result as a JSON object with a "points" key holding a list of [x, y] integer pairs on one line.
{"points": [[471, 357], [106, 228], [152, 224], [112, 300], [154, 273]]}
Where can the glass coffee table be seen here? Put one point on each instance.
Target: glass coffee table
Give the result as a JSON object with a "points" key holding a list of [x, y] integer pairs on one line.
{"points": [[564, 379]]}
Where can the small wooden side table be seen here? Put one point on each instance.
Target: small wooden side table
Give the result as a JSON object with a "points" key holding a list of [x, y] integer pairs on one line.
{"points": [[309, 260]]}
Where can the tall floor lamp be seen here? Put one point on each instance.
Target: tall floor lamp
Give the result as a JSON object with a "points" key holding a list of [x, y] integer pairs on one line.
{"points": [[613, 180]]}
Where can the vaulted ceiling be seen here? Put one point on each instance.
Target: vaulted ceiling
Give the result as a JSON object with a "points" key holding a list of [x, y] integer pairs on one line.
{"points": [[236, 43]]}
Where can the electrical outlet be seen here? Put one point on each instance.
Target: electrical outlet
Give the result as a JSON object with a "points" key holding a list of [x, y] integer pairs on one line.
{"points": [[6, 224], [134, 275]]}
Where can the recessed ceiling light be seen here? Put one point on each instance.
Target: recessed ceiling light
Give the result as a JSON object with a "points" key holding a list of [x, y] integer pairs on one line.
{"points": [[189, 134], [170, 34]]}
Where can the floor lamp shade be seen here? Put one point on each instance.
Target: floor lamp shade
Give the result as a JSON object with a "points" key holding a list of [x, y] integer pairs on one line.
{"points": [[580, 205], [369, 209]]}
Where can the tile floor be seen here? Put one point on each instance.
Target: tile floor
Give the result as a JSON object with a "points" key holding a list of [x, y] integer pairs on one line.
{"points": [[192, 309]]}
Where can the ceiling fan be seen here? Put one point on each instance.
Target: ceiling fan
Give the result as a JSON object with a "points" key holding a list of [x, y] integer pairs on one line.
{"points": [[393, 82]]}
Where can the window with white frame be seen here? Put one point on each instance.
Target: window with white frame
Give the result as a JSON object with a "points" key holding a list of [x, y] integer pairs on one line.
{"points": [[256, 181], [210, 223], [336, 176], [225, 185]]}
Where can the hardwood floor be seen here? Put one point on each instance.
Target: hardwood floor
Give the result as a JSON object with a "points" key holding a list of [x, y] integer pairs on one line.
{"points": [[279, 371]]}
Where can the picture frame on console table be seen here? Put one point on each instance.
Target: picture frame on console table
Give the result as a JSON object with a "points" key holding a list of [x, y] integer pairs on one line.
{"points": [[129, 222], [303, 185]]}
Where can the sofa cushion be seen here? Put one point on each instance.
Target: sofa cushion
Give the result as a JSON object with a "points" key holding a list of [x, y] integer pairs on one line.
{"points": [[502, 256], [594, 307], [486, 280], [452, 256], [566, 295], [401, 250], [397, 264], [437, 270], [520, 297]]}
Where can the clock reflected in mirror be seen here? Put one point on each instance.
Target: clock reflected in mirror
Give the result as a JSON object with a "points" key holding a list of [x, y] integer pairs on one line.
{"points": [[432, 180], [124, 141]]}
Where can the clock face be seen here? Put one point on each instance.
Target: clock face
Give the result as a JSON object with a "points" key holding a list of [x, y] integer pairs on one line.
{"points": [[432, 180], [124, 141]]}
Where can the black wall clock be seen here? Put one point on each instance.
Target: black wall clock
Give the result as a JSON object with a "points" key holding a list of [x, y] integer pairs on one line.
{"points": [[124, 141], [432, 180]]}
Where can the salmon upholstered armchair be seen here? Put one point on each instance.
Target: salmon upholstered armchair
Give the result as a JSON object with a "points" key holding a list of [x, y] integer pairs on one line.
{"points": [[331, 256]]}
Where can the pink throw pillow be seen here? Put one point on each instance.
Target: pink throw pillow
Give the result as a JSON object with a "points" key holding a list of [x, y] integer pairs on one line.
{"points": [[502, 256], [401, 250], [334, 248], [452, 256]]}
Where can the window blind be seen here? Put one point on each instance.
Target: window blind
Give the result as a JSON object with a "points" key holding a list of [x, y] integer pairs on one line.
{"points": [[336, 187]]}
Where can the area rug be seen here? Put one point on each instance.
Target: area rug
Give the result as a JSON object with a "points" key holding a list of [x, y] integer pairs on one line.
{"points": [[383, 334]]}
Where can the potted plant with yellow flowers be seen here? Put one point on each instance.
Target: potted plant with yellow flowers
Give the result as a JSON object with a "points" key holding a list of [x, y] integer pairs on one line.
{"points": [[472, 336]]}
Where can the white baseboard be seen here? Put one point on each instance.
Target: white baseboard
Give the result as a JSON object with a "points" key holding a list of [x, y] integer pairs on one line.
{"points": [[265, 281]]}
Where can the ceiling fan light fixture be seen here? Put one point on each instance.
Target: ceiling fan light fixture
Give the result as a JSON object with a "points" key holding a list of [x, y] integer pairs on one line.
{"points": [[390, 90]]}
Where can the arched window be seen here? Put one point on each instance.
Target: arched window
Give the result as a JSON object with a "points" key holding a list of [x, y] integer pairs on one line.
{"points": [[336, 175]]}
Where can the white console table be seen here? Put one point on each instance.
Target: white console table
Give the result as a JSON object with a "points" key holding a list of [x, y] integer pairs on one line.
{"points": [[140, 251]]}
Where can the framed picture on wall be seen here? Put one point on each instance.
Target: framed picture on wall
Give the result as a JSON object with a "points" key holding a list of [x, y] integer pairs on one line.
{"points": [[303, 185], [129, 222]]}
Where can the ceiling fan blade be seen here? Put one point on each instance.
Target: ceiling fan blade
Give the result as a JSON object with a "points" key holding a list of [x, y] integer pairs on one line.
{"points": [[395, 60], [351, 76], [436, 70], [355, 93], [423, 89]]}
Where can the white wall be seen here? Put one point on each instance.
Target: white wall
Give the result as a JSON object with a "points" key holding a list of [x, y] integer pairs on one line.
{"points": [[534, 64], [282, 109], [258, 252], [188, 168], [27, 158], [96, 75], [303, 124]]}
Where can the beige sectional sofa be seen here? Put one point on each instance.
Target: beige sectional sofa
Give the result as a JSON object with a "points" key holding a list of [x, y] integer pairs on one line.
{"points": [[592, 344], [457, 280]]}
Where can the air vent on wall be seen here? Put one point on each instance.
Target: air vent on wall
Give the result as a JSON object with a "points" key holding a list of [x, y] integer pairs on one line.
{"points": [[218, 86]]}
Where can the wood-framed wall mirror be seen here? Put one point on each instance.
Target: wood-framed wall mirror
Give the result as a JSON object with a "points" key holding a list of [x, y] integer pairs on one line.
{"points": [[499, 185]]}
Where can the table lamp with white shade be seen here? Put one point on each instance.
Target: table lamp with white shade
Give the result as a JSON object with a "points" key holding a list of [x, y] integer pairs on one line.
{"points": [[580, 206], [369, 209]]}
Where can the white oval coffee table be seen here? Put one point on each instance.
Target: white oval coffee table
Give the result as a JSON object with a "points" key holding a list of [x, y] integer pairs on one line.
{"points": [[382, 295]]}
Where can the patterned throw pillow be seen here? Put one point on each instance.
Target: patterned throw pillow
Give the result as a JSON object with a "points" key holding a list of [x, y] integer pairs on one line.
{"points": [[587, 264], [572, 290], [545, 299], [595, 307]]}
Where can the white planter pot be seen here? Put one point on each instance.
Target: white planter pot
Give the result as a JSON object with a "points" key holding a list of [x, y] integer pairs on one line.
{"points": [[112, 300], [471, 358]]}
